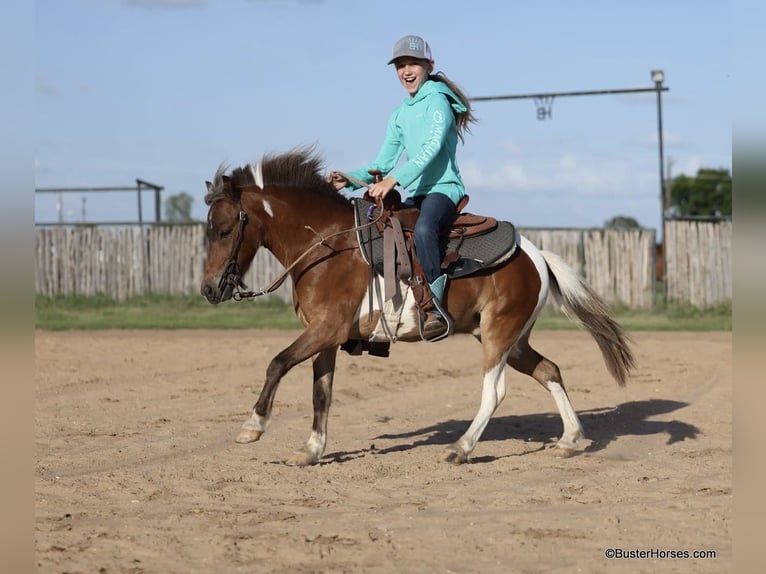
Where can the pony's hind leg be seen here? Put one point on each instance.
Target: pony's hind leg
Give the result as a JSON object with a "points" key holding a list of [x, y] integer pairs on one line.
{"points": [[492, 394], [324, 369], [526, 360]]}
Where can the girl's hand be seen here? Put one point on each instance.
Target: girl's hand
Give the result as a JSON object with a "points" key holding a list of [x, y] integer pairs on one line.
{"points": [[337, 180], [380, 190]]}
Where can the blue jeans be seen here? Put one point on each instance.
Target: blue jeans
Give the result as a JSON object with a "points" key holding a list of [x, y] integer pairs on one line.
{"points": [[436, 212]]}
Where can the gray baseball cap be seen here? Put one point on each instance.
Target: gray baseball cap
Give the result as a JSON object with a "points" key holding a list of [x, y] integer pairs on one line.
{"points": [[412, 46]]}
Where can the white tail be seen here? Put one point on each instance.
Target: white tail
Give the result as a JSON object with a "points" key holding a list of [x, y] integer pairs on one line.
{"points": [[582, 304]]}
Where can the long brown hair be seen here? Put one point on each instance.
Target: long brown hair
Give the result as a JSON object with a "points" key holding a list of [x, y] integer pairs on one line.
{"points": [[463, 120]]}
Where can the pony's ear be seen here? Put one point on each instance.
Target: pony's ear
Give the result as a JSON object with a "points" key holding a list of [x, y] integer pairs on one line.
{"points": [[209, 185], [232, 191]]}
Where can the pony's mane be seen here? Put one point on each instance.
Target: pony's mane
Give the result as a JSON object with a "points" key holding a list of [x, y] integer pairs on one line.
{"points": [[300, 168]]}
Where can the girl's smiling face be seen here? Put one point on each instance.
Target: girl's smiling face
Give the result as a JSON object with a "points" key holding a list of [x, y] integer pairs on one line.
{"points": [[412, 73]]}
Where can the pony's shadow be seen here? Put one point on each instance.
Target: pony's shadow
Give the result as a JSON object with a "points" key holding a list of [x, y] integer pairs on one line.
{"points": [[602, 427]]}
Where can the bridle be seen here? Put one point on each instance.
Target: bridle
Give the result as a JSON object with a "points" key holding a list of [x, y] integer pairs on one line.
{"points": [[231, 285], [231, 278]]}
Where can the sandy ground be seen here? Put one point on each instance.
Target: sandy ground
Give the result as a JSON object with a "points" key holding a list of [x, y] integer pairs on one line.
{"points": [[137, 470]]}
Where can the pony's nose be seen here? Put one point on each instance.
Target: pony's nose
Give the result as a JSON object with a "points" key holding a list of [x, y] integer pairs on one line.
{"points": [[209, 293]]}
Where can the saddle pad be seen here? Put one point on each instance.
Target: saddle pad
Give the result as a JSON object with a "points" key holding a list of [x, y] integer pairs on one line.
{"points": [[476, 252]]}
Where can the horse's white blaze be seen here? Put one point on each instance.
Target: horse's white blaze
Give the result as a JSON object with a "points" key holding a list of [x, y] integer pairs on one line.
{"points": [[542, 269], [256, 422], [492, 393], [572, 427]]}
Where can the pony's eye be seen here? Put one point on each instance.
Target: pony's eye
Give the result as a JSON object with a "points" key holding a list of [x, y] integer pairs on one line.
{"points": [[224, 234]]}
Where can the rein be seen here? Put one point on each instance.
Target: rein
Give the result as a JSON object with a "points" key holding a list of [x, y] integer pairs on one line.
{"points": [[231, 279], [354, 180]]}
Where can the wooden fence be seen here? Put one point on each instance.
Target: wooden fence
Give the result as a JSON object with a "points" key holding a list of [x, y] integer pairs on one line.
{"points": [[122, 262], [619, 265], [698, 262]]}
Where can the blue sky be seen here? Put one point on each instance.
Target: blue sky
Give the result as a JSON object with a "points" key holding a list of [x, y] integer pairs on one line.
{"points": [[166, 90]]}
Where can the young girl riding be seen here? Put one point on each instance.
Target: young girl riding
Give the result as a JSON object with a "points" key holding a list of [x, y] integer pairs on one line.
{"points": [[425, 126]]}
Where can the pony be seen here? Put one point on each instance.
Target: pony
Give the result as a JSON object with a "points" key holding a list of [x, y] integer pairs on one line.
{"points": [[283, 203]]}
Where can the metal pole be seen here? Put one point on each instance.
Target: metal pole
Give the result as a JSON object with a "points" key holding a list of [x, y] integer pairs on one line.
{"points": [[140, 215], [659, 76], [157, 206], [662, 153], [557, 94]]}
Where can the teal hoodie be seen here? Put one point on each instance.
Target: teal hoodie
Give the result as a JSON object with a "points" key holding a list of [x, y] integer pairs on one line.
{"points": [[423, 127]]}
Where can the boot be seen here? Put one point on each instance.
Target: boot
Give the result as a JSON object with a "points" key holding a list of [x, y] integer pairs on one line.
{"points": [[437, 323]]}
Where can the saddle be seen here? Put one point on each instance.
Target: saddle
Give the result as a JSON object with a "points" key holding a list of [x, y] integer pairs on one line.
{"points": [[470, 243], [464, 224]]}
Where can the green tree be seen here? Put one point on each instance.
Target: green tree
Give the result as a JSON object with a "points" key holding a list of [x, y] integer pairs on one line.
{"points": [[706, 194], [621, 222], [178, 207]]}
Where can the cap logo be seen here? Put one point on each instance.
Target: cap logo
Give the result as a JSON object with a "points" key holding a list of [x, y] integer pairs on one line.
{"points": [[411, 46]]}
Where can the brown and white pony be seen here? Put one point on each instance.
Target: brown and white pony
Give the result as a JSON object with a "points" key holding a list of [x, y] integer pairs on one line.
{"points": [[284, 204]]}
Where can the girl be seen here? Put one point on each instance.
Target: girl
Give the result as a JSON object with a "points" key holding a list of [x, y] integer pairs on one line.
{"points": [[426, 126]]}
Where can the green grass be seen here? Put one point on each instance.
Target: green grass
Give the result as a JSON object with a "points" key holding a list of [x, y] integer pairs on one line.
{"points": [[161, 312], [193, 312], [663, 318]]}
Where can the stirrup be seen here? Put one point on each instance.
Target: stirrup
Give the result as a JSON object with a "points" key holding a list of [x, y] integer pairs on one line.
{"points": [[441, 317]]}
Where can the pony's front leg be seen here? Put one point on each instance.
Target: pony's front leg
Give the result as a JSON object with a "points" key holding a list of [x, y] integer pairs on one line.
{"points": [[255, 426], [324, 370], [310, 342]]}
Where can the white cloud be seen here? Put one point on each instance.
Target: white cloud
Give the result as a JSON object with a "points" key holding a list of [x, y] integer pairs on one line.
{"points": [[650, 139], [515, 175], [510, 147], [568, 161], [689, 166], [508, 175], [567, 175]]}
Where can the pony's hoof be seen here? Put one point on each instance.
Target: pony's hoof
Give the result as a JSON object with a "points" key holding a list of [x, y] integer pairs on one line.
{"points": [[453, 455], [246, 436], [300, 458], [564, 452]]}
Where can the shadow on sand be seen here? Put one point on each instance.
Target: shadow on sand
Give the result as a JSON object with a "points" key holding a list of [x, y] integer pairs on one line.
{"points": [[602, 426]]}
